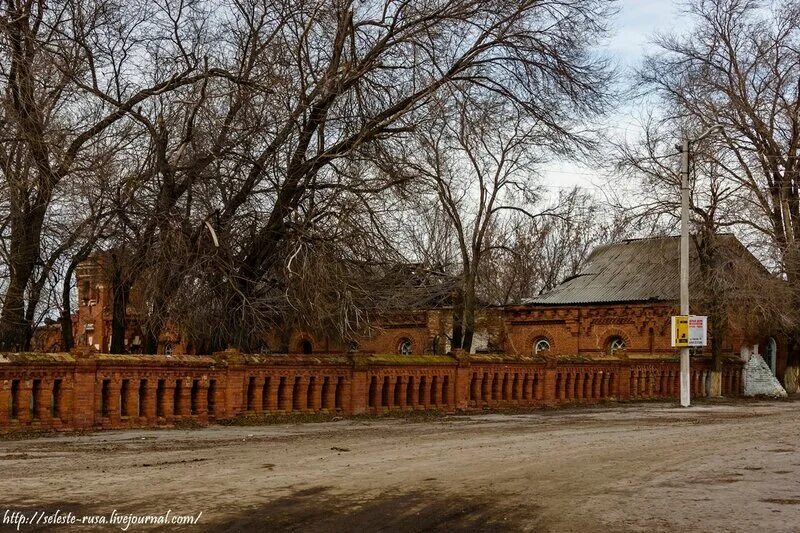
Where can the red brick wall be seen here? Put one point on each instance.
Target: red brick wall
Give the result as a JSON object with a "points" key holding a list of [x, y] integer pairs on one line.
{"points": [[585, 331], [102, 391]]}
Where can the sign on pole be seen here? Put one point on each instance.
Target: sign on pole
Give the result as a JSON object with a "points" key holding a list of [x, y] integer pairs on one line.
{"points": [[689, 331]]}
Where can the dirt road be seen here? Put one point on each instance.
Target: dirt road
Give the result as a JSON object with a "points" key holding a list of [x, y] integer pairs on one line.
{"points": [[721, 467]]}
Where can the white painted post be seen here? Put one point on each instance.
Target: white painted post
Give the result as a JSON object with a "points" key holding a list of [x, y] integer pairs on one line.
{"points": [[685, 188], [685, 385]]}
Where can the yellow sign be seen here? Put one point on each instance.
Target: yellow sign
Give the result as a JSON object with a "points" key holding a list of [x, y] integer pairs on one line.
{"points": [[689, 331], [680, 331]]}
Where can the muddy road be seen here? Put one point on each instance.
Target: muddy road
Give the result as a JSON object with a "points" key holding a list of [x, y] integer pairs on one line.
{"points": [[653, 467]]}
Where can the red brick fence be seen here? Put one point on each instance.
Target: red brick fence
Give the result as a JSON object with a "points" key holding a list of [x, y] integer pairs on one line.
{"points": [[61, 391]]}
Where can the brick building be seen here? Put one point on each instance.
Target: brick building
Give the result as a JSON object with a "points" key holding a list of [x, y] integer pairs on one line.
{"points": [[618, 307], [93, 324]]}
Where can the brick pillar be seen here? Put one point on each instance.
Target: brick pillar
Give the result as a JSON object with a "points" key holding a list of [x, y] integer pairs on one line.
{"points": [[150, 401], [44, 400], [67, 394], [113, 401], [169, 399], [460, 383], [98, 400], [288, 404], [449, 395], [357, 391], [234, 401], [282, 391], [623, 384], [258, 393], [5, 401], [202, 399], [537, 386], [342, 383], [220, 395], [603, 384], [316, 393], [390, 393], [272, 400], [414, 392], [516, 386], [549, 384], [426, 393], [580, 385], [186, 397], [474, 391], [403, 388], [83, 392], [302, 393], [24, 406], [179, 398], [330, 393], [132, 397]]}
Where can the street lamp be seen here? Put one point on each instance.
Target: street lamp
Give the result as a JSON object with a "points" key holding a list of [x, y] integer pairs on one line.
{"points": [[685, 148]]}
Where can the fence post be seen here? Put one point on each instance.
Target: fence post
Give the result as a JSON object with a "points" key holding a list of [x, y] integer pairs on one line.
{"points": [[234, 388], [83, 391], [462, 381], [624, 381], [549, 382], [357, 403]]}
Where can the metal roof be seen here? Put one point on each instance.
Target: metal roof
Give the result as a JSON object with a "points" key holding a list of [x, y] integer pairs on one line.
{"points": [[635, 270]]}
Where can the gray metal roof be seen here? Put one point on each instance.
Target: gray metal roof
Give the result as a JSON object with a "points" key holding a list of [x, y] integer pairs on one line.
{"points": [[636, 270]]}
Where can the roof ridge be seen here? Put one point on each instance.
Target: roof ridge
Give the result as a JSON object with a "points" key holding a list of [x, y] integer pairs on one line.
{"points": [[661, 237]]}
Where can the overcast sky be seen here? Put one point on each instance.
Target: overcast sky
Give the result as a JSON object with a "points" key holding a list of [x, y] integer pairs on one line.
{"points": [[634, 25]]}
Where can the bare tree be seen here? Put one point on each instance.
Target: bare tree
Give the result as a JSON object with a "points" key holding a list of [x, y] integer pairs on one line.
{"points": [[475, 169], [226, 129], [68, 79], [740, 68], [537, 254], [374, 70], [734, 291]]}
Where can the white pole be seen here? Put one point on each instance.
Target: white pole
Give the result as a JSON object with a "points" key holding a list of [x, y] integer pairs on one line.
{"points": [[685, 390]]}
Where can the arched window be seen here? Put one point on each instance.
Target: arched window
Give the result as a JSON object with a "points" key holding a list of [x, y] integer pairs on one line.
{"points": [[167, 348], [263, 348], [615, 344], [405, 347], [771, 354], [540, 346], [306, 347]]}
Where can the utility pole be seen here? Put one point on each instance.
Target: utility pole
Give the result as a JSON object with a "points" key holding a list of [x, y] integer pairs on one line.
{"points": [[685, 390], [685, 148]]}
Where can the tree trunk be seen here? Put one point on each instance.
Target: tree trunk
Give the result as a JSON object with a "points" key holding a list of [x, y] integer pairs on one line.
{"points": [[67, 335], [150, 342], [14, 329], [469, 312], [285, 338], [715, 299], [119, 303], [717, 339], [458, 319]]}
